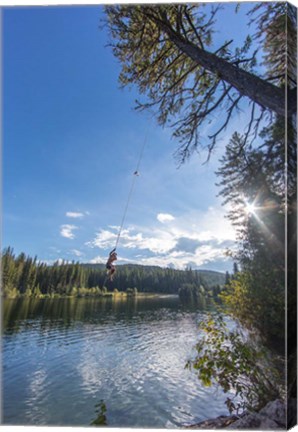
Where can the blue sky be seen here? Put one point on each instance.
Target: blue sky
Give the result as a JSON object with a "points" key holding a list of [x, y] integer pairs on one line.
{"points": [[71, 142]]}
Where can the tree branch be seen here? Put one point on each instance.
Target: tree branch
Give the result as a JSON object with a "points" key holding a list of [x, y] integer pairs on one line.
{"points": [[258, 90]]}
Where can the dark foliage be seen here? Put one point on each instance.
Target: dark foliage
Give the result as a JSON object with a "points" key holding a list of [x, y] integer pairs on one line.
{"points": [[27, 276]]}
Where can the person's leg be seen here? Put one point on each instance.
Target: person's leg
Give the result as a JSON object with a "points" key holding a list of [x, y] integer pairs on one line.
{"points": [[112, 273]]}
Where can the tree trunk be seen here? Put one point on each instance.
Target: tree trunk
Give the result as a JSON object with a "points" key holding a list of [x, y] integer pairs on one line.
{"points": [[258, 90]]}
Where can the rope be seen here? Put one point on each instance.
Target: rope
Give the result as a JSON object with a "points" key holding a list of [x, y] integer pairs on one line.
{"points": [[125, 210], [135, 174]]}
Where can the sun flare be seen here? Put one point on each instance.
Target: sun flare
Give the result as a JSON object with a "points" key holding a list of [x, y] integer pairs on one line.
{"points": [[250, 208]]}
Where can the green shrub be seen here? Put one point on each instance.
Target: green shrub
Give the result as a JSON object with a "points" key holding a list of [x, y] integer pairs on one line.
{"points": [[227, 359]]}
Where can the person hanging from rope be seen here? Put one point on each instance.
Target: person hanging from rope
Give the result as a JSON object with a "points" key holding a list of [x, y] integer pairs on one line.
{"points": [[109, 265]]}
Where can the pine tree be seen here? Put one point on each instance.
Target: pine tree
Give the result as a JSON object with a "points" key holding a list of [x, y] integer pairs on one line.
{"points": [[168, 52]]}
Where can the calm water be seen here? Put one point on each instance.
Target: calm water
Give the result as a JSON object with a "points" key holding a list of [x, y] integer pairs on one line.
{"points": [[66, 359]]}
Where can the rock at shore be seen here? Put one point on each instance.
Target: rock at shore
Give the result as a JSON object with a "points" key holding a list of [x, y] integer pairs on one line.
{"points": [[271, 417]]}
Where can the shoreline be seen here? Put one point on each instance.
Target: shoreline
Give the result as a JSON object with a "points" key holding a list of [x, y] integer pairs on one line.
{"points": [[120, 294]]}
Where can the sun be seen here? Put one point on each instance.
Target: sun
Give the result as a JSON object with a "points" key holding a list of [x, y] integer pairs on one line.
{"points": [[250, 208]]}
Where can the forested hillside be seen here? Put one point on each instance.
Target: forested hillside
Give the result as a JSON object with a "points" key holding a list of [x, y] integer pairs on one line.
{"points": [[24, 275]]}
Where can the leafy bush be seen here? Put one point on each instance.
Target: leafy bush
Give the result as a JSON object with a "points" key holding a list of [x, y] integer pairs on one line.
{"points": [[256, 300], [228, 359]]}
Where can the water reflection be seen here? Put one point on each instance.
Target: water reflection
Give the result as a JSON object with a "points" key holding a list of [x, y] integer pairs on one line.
{"points": [[62, 356], [67, 311], [101, 419]]}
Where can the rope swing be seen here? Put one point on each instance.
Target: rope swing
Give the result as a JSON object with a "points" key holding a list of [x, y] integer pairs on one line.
{"points": [[134, 178], [113, 255]]}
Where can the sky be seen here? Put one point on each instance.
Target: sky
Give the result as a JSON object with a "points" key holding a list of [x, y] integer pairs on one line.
{"points": [[72, 141]]}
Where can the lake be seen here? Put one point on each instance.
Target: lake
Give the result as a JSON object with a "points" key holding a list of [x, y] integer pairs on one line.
{"points": [[117, 362]]}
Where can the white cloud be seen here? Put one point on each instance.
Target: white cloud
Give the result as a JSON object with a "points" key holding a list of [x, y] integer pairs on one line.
{"points": [[102, 260], [98, 260], [67, 231], [61, 261], [194, 238], [157, 241], [114, 227], [76, 252], [181, 260], [165, 217], [104, 239], [75, 214], [211, 225]]}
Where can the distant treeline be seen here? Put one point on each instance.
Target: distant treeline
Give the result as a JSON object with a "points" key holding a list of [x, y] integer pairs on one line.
{"points": [[24, 275]]}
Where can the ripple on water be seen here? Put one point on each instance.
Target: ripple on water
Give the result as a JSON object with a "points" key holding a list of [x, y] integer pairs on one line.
{"points": [[132, 361]]}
